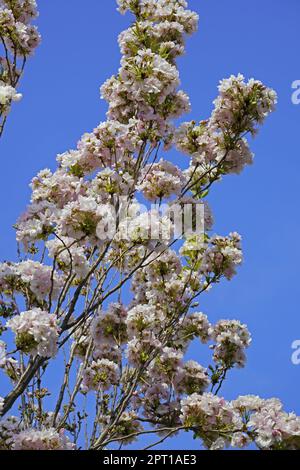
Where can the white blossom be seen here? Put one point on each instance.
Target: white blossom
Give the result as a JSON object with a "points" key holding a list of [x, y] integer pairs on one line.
{"points": [[100, 375], [8, 94], [36, 332], [46, 439]]}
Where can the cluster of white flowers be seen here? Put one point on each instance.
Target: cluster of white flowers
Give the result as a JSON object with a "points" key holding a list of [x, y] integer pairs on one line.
{"points": [[19, 38], [108, 183], [220, 423], [167, 364], [140, 348], [36, 332], [69, 256], [232, 338], [162, 10], [246, 403], [147, 98], [158, 404], [146, 229], [8, 94], [46, 439], [161, 180], [166, 380], [5, 360], [217, 146], [108, 331], [165, 267], [111, 144], [198, 141], [196, 325], [35, 224], [100, 375], [191, 378], [132, 355], [128, 425], [143, 317], [81, 218], [56, 188], [211, 155], [215, 256], [246, 103], [146, 86], [275, 429], [166, 37], [209, 415], [9, 427], [164, 283]]}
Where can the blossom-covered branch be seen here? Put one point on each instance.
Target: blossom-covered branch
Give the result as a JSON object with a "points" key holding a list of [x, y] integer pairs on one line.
{"points": [[108, 290], [18, 39]]}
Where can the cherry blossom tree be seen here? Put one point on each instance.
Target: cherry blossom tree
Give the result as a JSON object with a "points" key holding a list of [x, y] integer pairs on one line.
{"points": [[18, 39], [106, 291]]}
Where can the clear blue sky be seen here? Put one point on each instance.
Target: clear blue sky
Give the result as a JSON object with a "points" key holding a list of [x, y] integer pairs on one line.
{"points": [[61, 101]]}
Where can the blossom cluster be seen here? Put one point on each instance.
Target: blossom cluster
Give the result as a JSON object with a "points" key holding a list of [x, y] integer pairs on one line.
{"points": [[130, 353], [232, 338], [31, 277], [210, 414], [217, 146], [8, 94], [274, 429], [214, 256], [147, 81], [141, 330], [161, 180], [100, 375], [15, 438], [47, 439], [8, 364]]}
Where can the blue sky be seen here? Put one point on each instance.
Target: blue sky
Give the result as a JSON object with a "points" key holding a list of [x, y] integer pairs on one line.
{"points": [[61, 102]]}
